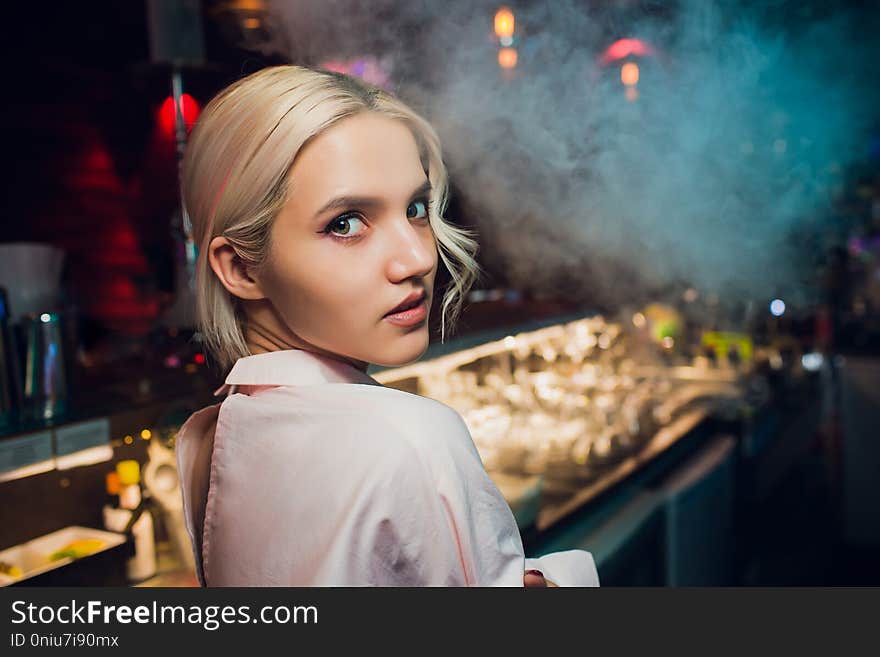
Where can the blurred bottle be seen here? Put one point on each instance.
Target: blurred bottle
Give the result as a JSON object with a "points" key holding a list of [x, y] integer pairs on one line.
{"points": [[115, 517], [45, 376], [143, 564]]}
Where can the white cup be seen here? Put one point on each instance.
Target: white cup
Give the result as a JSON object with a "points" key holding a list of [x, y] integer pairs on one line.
{"points": [[31, 274]]}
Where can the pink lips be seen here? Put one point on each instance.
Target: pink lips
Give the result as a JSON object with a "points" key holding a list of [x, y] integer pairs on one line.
{"points": [[412, 314]]}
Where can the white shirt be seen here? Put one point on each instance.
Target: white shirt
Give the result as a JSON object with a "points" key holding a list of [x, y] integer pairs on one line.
{"points": [[311, 473]]}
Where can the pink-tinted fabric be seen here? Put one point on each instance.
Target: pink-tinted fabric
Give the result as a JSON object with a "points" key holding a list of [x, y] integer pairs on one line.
{"points": [[311, 473]]}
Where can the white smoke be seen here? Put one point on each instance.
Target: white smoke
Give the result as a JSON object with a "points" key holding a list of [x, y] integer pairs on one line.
{"points": [[733, 151]]}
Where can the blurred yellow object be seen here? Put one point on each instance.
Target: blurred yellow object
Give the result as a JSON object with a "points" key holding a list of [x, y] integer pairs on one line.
{"points": [[78, 549], [663, 321], [10, 569], [721, 342], [129, 472]]}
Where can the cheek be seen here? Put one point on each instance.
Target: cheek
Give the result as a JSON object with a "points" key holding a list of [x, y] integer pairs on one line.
{"points": [[330, 289], [431, 242]]}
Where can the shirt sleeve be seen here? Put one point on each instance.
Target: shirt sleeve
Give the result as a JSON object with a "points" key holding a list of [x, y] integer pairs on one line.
{"points": [[194, 446], [449, 525], [425, 536], [567, 568]]}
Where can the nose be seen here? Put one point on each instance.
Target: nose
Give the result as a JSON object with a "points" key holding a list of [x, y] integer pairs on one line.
{"points": [[412, 251]]}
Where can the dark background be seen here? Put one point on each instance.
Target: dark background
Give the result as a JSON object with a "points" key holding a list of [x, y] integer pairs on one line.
{"points": [[90, 168]]}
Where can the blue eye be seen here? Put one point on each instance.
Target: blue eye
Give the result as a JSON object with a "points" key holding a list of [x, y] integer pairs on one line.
{"points": [[417, 210], [342, 226]]}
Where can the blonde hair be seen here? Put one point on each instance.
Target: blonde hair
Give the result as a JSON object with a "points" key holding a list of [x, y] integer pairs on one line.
{"points": [[235, 182]]}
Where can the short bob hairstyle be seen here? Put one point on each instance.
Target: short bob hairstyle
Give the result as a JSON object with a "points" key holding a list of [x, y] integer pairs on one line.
{"points": [[235, 182]]}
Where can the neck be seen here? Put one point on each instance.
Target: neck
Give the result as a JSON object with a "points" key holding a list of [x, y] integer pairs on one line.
{"points": [[265, 332]]}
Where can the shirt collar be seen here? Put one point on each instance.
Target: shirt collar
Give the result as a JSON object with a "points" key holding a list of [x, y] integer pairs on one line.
{"points": [[291, 367]]}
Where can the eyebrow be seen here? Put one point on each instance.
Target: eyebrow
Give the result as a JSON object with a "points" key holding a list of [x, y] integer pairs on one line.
{"points": [[341, 202]]}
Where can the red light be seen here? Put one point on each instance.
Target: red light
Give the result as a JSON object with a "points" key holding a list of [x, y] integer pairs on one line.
{"points": [[624, 48], [189, 107], [200, 358]]}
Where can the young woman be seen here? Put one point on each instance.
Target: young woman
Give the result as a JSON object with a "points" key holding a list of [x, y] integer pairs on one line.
{"points": [[317, 203]]}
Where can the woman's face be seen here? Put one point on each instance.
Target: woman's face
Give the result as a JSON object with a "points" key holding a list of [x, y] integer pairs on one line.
{"points": [[354, 241]]}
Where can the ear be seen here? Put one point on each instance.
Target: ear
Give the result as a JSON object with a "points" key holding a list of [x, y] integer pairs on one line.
{"points": [[231, 271]]}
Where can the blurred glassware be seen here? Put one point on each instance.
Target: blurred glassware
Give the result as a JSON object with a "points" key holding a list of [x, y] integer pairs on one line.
{"points": [[45, 376], [162, 480], [567, 402]]}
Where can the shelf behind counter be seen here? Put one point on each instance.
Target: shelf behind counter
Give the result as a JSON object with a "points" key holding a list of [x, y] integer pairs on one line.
{"points": [[52, 471]]}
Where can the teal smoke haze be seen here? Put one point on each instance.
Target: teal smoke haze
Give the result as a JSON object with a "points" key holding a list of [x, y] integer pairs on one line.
{"points": [[715, 176]]}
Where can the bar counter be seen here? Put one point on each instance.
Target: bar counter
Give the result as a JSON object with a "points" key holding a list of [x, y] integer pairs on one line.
{"points": [[624, 513]]}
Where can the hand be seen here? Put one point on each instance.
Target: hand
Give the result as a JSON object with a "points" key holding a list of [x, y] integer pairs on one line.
{"points": [[534, 579]]}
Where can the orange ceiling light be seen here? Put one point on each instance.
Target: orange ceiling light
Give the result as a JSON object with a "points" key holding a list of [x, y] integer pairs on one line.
{"points": [[507, 58], [504, 23], [629, 74]]}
